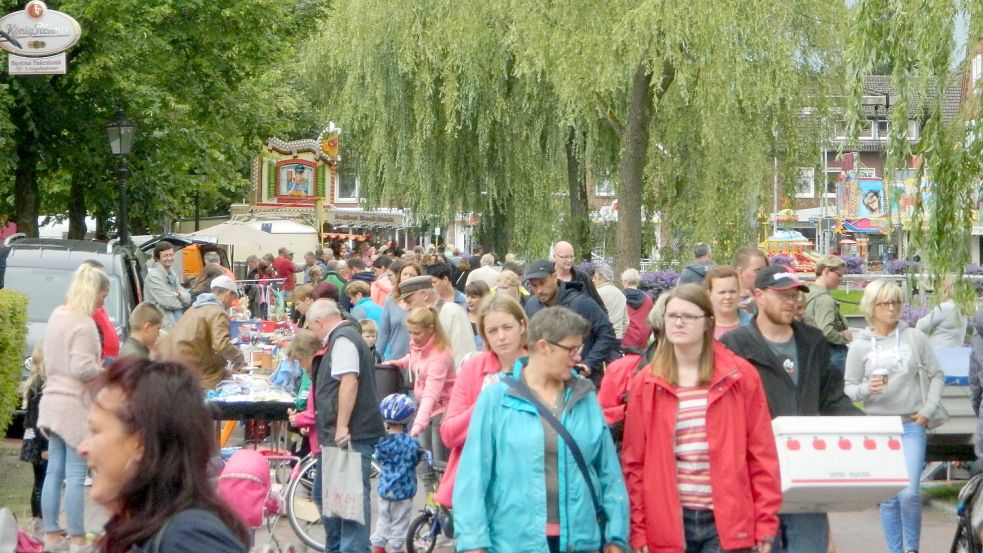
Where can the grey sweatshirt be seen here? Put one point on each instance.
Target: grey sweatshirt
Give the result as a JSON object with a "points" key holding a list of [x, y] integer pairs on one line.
{"points": [[902, 353], [945, 325]]}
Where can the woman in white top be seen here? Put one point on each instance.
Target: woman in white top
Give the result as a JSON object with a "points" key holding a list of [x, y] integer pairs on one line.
{"points": [[945, 325], [887, 366]]}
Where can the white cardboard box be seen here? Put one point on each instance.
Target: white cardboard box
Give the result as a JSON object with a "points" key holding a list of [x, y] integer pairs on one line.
{"points": [[839, 463]]}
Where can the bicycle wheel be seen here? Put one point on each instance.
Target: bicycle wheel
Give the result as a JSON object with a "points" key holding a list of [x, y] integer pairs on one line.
{"points": [[422, 534], [303, 512], [963, 542]]}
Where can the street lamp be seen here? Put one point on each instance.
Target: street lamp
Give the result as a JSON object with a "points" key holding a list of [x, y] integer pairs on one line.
{"points": [[121, 131]]}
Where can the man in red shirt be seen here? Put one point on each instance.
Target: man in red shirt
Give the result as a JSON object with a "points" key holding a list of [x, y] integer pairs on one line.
{"points": [[285, 268]]}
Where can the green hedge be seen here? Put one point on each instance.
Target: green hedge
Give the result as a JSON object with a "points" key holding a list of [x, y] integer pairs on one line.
{"points": [[13, 333]]}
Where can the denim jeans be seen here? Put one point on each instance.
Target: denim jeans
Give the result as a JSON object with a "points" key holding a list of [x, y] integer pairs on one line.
{"points": [[64, 466], [901, 515], [700, 531], [802, 533], [346, 536]]}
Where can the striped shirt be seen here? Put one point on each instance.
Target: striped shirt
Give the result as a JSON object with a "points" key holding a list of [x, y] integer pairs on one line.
{"points": [[692, 450]]}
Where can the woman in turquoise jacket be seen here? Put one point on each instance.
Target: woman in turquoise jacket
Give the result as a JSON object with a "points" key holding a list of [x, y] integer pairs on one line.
{"points": [[518, 488]]}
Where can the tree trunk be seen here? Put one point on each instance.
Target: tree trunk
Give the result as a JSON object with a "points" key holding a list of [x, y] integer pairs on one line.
{"points": [[27, 202], [578, 226], [76, 208], [634, 149]]}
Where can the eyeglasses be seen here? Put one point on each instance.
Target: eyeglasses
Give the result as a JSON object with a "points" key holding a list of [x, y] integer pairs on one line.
{"points": [[895, 304], [571, 350], [564, 257], [787, 295], [687, 318]]}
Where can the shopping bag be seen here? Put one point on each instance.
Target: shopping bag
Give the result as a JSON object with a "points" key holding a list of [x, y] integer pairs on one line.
{"points": [[341, 479]]}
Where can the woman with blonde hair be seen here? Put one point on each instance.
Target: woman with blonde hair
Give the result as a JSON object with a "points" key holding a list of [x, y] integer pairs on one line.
{"points": [[683, 443], [893, 370], [502, 325], [509, 284], [72, 355], [945, 325], [430, 363]]}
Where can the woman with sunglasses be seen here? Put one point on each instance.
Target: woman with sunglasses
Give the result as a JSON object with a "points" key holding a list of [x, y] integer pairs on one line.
{"points": [[883, 367], [697, 416]]}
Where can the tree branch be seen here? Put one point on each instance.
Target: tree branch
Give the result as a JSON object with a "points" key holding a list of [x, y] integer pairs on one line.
{"points": [[609, 114]]}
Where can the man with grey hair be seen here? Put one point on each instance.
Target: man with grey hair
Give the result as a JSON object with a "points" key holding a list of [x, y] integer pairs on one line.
{"points": [[347, 411], [638, 305], [614, 301], [213, 258], [420, 292], [486, 273], [695, 273]]}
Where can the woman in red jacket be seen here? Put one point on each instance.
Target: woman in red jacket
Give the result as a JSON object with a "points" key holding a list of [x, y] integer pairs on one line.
{"points": [[699, 455], [431, 367], [502, 325]]}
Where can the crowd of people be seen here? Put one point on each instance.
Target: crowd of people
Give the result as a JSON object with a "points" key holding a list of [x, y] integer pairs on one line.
{"points": [[512, 377]]}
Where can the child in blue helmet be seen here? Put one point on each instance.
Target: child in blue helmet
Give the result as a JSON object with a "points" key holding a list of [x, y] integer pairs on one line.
{"points": [[398, 454]]}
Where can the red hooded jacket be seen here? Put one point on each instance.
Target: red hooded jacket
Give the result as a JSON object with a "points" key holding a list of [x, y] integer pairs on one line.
{"points": [[743, 460]]}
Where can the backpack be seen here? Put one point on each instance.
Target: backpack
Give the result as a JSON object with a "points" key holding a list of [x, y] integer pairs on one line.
{"points": [[613, 394]]}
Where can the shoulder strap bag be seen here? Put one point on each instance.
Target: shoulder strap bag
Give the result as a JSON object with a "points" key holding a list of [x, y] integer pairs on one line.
{"points": [[520, 388], [941, 414]]}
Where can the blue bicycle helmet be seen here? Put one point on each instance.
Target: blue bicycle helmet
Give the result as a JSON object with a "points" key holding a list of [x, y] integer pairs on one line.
{"points": [[397, 408]]}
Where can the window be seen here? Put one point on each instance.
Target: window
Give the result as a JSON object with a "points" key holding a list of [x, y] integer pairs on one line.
{"points": [[913, 130], [832, 178], [805, 187], [882, 129], [604, 188], [346, 187], [866, 130]]}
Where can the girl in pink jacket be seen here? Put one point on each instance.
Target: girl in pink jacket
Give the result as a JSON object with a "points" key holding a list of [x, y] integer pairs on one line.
{"points": [[502, 324], [307, 349], [431, 368]]}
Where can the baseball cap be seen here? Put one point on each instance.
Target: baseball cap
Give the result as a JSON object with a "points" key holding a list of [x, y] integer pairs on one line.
{"points": [[778, 277], [224, 282], [541, 268], [414, 284]]}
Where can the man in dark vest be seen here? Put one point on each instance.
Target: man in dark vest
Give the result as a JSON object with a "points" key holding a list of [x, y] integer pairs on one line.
{"points": [[347, 412]]}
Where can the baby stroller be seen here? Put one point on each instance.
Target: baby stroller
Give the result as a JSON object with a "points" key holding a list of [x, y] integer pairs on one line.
{"points": [[246, 486], [969, 513]]}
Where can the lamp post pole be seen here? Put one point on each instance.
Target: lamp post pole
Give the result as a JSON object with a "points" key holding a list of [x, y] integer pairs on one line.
{"points": [[121, 175]]}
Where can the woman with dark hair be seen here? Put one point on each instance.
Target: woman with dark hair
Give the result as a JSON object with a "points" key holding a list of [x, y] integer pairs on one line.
{"points": [[149, 448]]}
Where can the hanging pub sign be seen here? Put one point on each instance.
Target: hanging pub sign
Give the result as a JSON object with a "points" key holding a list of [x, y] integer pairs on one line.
{"points": [[39, 33]]}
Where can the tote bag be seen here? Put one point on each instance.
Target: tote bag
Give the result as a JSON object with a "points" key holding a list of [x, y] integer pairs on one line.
{"points": [[341, 479]]}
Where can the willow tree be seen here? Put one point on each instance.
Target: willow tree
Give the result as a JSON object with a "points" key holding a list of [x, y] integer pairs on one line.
{"points": [[917, 47], [699, 95], [439, 122]]}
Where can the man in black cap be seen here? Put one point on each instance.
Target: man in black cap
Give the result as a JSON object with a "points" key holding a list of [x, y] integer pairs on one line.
{"points": [[601, 346], [793, 361]]}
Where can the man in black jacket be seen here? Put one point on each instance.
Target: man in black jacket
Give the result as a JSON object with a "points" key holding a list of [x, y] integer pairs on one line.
{"points": [[601, 346], [793, 361]]}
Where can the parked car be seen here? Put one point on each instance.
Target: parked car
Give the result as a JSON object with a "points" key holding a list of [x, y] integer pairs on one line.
{"points": [[42, 270]]}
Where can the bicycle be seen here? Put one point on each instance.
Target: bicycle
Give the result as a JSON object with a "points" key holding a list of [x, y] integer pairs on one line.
{"points": [[433, 520], [303, 509]]}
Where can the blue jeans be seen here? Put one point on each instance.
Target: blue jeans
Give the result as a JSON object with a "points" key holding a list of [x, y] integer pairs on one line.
{"points": [[64, 466], [901, 515], [700, 531], [346, 536], [802, 533]]}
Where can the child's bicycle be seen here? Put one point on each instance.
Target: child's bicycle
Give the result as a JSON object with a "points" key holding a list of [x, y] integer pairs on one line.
{"points": [[432, 522]]}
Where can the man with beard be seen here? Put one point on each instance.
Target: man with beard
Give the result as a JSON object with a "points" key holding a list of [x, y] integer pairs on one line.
{"points": [[793, 361], [600, 346]]}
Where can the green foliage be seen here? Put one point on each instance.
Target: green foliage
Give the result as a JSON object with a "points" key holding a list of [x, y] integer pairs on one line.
{"points": [[917, 45], [205, 82], [13, 332]]}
